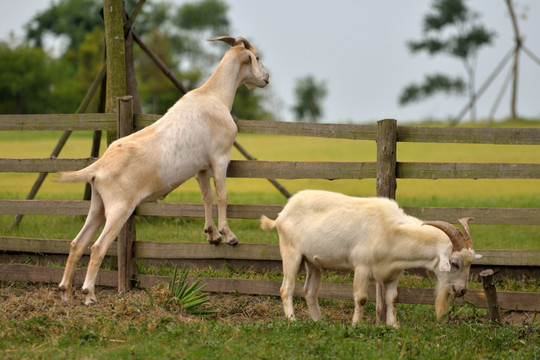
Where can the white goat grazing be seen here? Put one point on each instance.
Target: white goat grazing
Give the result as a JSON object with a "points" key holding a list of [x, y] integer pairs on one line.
{"points": [[194, 138], [373, 237]]}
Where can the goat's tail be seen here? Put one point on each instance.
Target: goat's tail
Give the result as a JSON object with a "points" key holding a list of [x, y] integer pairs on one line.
{"points": [[82, 175], [267, 224]]}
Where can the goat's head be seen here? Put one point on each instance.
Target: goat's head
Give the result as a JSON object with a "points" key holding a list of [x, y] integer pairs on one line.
{"points": [[253, 73], [453, 270]]}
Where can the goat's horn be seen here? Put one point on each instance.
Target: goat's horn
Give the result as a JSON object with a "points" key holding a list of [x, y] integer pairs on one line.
{"points": [[232, 41], [456, 237], [464, 222]]}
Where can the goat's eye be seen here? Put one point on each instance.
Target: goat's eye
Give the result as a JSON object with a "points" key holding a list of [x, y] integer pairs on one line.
{"points": [[455, 263]]}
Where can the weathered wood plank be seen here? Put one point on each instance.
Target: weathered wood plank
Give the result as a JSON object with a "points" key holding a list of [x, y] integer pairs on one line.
{"points": [[431, 170], [255, 252], [206, 251], [234, 211], [61, 122], [508, 258], [315, 169], [49, 165], [44, 207], [508, 300], [482, 216], [143, 120], [301, 169], [17, 272], [511, 136], [341, 131], [42, 246]]}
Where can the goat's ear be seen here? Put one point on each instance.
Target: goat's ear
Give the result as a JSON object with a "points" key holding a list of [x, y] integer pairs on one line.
{"points": [[444, 263]]}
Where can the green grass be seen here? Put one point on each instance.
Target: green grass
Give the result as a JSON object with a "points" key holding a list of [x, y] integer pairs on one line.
{"points": [[35, 324]]}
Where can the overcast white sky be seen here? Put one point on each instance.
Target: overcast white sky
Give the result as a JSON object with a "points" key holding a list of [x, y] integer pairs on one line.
{"points": [[359, 49]]}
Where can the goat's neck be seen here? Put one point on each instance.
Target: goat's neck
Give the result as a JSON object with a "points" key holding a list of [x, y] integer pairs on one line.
{"points": [[224, 81], [418, 248]]}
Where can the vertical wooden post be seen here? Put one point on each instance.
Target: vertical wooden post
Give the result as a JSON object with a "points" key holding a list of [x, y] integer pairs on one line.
{"points": [[126, 237], [386, 158], [113, 15], [488, 282], [386, 184]]}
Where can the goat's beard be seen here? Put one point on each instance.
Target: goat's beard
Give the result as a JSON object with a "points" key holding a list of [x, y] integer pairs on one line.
{"points": [[442, 300]]}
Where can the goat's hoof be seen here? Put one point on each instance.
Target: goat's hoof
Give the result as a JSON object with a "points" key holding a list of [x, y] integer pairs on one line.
{"points": [[90, 301], [65, 295], [90, 297], [215, 241], [233, 241]]}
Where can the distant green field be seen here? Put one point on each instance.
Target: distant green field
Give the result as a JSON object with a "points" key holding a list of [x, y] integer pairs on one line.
{"points": [[466, 193]]}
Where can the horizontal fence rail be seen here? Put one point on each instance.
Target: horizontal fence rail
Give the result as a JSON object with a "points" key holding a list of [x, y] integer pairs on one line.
{"points": [[483, 216], [168, 252], [507, 300], [315, 169], [470, 135], [255, 252]]}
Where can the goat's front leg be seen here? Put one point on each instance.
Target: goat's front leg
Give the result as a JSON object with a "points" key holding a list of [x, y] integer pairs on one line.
{"points": [[360, 286], [391, 297], [212, 233], [220, 173], [380, 302]]}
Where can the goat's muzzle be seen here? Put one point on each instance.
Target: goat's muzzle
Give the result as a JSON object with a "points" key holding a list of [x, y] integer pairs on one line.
{"points": [[460, 293]]}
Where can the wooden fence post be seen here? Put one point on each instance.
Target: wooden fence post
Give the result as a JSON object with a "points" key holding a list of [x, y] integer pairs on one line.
{"points": [[386, 181], [126, 237], [491, 295], [386, 158]]}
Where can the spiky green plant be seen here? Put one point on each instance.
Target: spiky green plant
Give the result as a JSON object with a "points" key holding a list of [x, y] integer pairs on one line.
{"points": [[188, 296]]}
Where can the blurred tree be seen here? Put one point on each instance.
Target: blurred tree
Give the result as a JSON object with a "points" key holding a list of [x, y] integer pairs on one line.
{"points": [[70, 19], [25, 78], [309, 95], [453, 29], [175, 32]]}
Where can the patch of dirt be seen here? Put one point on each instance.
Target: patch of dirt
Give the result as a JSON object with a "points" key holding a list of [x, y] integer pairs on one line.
{"points": [[22, 301]]}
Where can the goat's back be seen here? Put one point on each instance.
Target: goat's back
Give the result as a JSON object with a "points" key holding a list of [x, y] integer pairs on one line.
{"points": [[330, 227]]}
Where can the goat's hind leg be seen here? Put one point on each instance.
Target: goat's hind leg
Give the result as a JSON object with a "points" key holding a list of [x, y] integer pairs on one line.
{"points": [[115, 220], [291, 265], [212, 233], [93, 221], [311, 289]]}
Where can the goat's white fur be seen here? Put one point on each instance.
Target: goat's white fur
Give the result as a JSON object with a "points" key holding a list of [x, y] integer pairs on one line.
{"points": [[371, 236], [194, 138]]}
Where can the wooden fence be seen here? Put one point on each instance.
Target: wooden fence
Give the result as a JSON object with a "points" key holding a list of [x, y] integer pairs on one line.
{"points": [[386, 170]]}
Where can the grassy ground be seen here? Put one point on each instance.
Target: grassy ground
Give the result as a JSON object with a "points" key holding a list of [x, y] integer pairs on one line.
{"points": [[34, 324]]}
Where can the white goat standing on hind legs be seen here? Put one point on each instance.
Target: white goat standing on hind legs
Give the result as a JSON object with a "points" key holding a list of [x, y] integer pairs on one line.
{"points": [[373, 237], [194, 138]]}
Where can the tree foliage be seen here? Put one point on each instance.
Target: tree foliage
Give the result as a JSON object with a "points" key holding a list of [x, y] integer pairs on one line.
{"points": [[453, 29], [309, 95], [25, 78], [176, 33]]}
